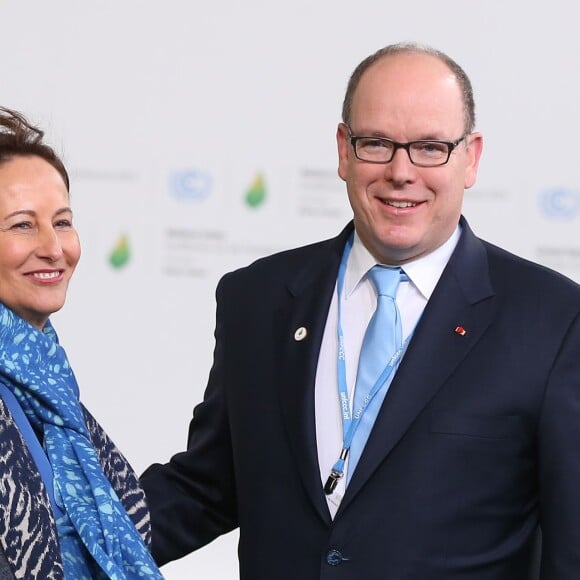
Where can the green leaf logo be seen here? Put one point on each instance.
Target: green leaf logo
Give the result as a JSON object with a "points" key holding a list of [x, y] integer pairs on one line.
{"points": [[256, 195], [121, 253]]}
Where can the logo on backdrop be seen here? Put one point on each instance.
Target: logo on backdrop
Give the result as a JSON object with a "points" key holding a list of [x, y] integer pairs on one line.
{"points": [[120, 255], [560, 203], [190, 184], [256, 193]]}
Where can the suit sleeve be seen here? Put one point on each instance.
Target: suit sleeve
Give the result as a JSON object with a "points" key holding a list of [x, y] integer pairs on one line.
{"points": [[192, 497], [559, 463]]}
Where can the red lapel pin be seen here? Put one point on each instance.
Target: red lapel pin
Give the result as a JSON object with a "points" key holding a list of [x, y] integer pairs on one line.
{"points": [[460, 331]]}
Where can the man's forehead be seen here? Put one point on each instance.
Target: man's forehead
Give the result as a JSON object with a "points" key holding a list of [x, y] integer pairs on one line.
{"points": [[413, 69], [414, 84]]}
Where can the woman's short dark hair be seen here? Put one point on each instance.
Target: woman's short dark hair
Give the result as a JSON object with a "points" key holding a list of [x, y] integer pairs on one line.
{"points": [[20, 138]]}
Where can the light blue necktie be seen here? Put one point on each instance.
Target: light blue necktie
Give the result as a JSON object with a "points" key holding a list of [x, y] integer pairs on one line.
{"points": [[381, 341]]}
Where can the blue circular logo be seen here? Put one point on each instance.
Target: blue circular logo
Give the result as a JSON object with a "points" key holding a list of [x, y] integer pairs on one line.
{"points": [[190, 185], [560, 203]]}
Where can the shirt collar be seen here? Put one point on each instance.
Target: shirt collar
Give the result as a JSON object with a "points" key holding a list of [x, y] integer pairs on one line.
{"points": [[424, 272]]}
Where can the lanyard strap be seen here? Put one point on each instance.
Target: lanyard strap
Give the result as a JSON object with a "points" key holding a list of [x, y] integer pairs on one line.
{"points": [[351, 419]]}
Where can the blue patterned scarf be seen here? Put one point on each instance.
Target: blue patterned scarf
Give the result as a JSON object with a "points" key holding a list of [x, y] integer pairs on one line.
{"points": [[35, 368]]}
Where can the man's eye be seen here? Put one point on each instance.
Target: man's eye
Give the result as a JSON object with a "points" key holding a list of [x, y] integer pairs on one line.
{"points": [[432, 148], [375, 144]]}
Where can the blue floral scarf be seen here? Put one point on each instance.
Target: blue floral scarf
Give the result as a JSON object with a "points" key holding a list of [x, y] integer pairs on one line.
{"points": [[35, 368]]}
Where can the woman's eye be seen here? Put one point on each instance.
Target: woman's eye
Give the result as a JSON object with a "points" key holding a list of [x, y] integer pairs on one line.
{"points": [[21, 226]]}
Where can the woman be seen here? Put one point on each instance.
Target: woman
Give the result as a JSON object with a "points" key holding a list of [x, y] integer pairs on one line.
{"points": [[70, 504]]}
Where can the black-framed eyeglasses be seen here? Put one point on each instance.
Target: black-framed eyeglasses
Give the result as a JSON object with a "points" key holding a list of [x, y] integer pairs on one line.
{"points": [[423, 153]]}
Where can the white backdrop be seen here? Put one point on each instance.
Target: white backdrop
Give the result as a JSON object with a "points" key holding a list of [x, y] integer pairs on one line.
{"points": [[200, 136]]}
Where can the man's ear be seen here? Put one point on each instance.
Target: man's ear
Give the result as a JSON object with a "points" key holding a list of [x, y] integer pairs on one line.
{"points": [[474, 150], [343, 144]]}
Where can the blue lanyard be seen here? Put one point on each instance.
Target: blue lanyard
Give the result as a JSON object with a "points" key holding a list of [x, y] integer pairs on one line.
{"points": [[351, 420]]}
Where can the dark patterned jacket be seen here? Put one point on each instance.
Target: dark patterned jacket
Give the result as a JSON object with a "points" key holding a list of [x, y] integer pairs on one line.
{"points": [[28, 546]]}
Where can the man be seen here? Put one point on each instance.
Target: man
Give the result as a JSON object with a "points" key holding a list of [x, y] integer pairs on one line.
{"points": [[470, 444]]}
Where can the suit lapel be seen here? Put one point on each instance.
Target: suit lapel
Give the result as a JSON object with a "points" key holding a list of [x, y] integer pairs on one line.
{"points": [[309, 296], [462, 298]]}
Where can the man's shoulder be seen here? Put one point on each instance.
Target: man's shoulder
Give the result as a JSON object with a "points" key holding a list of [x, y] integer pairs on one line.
{"points": [[509, 266]]}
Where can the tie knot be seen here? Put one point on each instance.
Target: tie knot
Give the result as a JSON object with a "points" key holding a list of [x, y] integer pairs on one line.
{"points": [[385, 279]]}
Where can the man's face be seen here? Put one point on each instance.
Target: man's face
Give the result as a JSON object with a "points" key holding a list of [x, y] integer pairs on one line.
{"points": [[401, 211]]}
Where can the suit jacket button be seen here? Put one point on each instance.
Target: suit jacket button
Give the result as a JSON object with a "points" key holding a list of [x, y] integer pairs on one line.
{"points": [[333, 557]]}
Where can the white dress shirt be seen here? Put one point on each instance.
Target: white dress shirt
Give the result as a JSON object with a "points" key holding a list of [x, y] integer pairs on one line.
{"points": [[359, 302]]}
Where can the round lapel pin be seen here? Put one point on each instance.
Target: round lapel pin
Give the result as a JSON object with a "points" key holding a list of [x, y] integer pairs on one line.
{"points": [[300, 333]]}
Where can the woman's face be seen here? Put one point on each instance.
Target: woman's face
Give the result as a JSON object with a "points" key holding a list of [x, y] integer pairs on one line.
{"points": [[39, 247]]}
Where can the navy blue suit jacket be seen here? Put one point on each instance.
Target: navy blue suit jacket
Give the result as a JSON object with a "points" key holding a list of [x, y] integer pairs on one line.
{"points": [[476, 445]]}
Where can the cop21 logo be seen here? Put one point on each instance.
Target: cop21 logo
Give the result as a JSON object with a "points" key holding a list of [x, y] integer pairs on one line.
{"points": [[560, 203], [190, 185]]}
